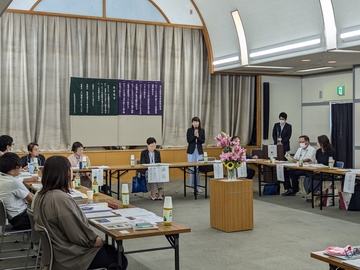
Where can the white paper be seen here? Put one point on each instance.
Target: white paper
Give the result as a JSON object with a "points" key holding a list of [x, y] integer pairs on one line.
{"points": [[158, 173], [113, 222], [218, 170], [272, 150], [99, 214], [280, 172], [349, 182], [241, 171], [37, 186], [318, 165], [99, 173]]}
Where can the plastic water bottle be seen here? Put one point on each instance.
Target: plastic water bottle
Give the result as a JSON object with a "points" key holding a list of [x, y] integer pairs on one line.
{"points": [[95, 186], [31, 167], [125, 195], [205, 157], [36, 166], [168, 211], [84, 163], [132, 160], [77, 180]]}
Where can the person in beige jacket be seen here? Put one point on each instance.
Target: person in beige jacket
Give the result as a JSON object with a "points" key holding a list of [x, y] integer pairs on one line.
{"points": [[75, 244]]}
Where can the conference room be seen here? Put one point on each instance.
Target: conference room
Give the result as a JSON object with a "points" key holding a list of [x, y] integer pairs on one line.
{"points": [[213, 60]]}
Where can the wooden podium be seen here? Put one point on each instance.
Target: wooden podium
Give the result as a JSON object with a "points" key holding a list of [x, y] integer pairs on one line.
{"points": [[231, 205]]}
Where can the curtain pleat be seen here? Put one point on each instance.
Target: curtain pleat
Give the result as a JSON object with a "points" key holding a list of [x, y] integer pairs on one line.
{"points": [[39, 55]]}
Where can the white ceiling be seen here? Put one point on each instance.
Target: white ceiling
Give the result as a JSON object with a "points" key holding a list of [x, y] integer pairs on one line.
{"points": [[265, 25]]}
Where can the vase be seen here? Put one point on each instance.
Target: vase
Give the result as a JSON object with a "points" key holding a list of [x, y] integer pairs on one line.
{"points": [[231, 174]]}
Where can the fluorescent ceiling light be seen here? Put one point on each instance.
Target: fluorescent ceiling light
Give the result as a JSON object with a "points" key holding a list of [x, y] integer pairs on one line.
{"points": [[350, 34], [269, 67], [241, 37], [344, 51], [313, 69], [286, 48], [226, 60]]}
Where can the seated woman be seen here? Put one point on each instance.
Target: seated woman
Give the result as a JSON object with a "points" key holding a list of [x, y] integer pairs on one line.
{"points": [[33, 149], [151, 155], [77, 157], [322, 157], [75, 244]]}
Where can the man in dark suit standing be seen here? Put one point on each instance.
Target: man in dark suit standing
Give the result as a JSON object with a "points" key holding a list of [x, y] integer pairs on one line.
{"points": [[282, 132]]}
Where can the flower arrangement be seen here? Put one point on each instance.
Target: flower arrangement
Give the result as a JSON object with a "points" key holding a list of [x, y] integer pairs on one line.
{"points": [[232, 155]]}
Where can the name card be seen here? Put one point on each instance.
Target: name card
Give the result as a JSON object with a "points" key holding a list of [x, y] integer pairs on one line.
{"points": [[158, 174], [218, 170]]}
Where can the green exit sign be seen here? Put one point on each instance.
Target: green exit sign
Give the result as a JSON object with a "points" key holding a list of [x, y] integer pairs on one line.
{"points": [[341, 90]]}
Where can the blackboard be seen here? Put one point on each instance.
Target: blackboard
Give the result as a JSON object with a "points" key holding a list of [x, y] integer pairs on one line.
{"points": [[109, 112]]}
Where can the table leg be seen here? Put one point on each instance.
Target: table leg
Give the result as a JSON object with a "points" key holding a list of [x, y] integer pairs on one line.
{"points": [[174, 242], [184, 170], [206, 185], [195, 182], [259, 177], [120, 250]]}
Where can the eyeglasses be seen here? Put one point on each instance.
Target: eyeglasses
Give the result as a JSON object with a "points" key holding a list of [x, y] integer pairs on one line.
{"points": [[350, 252]]}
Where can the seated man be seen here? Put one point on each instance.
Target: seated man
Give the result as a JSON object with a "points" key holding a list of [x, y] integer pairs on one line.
{"points": [[6, 144], [249, 171], [13, 192], [306, 153]]}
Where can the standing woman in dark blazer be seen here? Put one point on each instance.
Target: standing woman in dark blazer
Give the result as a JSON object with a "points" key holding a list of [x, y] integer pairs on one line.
{"points": [[151, 155], [195, 137], [282, 132]]}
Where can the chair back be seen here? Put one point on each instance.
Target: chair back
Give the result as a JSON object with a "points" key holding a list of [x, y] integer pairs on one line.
{"points": [[257, 152], [339, 164], [2, 217], [46, 247], [35, 236]]}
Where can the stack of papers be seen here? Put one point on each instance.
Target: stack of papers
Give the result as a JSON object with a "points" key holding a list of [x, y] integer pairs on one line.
{"points": [[355, 262], [139, 215]]}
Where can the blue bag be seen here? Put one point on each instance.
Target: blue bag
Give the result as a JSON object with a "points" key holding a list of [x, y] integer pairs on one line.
{"points": [[139, 184], [271, 189]]}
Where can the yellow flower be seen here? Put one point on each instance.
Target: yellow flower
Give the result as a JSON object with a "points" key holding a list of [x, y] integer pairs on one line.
{"points": [[230, 165]]}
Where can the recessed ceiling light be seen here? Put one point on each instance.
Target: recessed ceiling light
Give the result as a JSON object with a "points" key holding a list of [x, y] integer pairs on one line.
{"points": [[332, 62], [306, 60]]}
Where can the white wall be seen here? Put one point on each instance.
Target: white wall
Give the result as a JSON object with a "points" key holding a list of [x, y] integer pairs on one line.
{"points": [[309, 110], [285, 96]]}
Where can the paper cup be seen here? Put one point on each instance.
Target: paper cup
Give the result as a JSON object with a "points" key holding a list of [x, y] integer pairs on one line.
{"points": [[168, 202], [90, 194], [124, 188]]}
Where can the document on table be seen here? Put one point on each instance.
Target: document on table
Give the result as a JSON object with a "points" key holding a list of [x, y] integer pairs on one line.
{"points": [[355, 262], [138, 213], [87, 208], [99, 214], [113, 222], [37, 186], [318, 165]]}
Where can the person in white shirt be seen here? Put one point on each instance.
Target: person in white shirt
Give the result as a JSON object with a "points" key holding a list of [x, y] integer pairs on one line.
{"points": [[305, 153], [13, 192]]}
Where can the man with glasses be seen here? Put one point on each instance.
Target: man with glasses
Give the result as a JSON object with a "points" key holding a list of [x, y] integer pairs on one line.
{"points": [[6, 144], [305, 153], [13, 192]]}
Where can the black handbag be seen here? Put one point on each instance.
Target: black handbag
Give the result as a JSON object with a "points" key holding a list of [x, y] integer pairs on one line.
{"points": [[139, 184]]}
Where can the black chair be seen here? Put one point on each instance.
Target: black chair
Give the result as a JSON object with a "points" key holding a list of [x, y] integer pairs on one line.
{"points": [[35, 237], [47, 254], [7, 230], [330, 178]]}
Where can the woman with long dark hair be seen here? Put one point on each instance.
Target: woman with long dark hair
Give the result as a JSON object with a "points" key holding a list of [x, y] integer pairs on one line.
{"points": [[195, 137], [75, 244]]}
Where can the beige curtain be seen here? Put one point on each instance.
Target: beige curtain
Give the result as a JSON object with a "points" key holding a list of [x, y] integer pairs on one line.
{"points": [[39, 54]]}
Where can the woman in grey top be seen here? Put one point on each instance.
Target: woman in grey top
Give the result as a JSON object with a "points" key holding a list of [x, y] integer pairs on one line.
{"points": [[75, 244]]}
